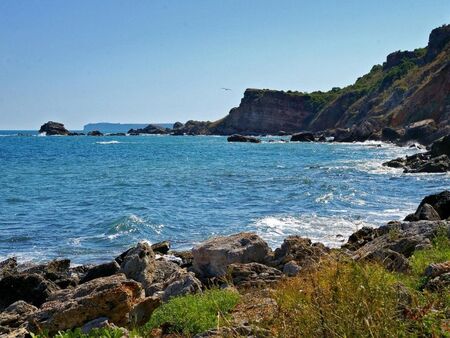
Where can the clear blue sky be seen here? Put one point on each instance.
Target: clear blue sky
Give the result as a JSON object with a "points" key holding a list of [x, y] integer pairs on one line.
{"points": [[164, 61]]}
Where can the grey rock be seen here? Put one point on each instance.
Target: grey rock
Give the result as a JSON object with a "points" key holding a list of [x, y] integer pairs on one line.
{"points": [[291, 269], [139, 264]]}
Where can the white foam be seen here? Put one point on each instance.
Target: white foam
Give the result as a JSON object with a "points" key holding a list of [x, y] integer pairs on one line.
{"points": [[108, 142], [332, 231]]}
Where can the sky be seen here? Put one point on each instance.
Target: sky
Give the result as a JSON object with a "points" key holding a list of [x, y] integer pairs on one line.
{"points": [[87, 61]]}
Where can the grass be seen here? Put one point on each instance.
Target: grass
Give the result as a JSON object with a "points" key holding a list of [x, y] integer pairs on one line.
{"points": [[196, 313], [95, 333], [343, 298]]}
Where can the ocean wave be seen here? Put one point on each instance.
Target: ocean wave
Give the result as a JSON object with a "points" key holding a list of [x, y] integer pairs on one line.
{"points": [[130, 225], [108, 142], [331, 231]]}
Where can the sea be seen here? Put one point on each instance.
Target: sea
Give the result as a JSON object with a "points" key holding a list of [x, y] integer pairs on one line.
{"points": [[90, 198]]}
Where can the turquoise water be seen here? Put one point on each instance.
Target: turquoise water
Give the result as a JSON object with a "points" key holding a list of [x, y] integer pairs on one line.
{"points": [[89, 198]]}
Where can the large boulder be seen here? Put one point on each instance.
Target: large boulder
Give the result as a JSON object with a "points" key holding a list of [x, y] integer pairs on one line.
{"points": [[113, 297], [29, 287], [303, 137], [138, 263], [53, 128], [242, 138], [179, 284], [391, 134], [8, 266], [420, 131], [298, 249], [101, 270], [212, 257], [432, 207], [15, 315]]}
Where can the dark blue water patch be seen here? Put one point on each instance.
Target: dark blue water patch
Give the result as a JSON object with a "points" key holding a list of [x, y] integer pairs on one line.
{"points": [[88, 199]]}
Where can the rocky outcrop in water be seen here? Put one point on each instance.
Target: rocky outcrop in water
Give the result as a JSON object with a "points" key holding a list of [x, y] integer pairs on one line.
{"points": [[53, 128], [150, 129], [241, 138], [434, 161]]}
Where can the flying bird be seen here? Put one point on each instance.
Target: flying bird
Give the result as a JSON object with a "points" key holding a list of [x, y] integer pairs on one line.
{"points": [[227, 89]]}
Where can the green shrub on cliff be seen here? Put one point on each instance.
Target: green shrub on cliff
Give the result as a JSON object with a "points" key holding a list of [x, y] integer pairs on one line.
{"points": [[193, 314]]}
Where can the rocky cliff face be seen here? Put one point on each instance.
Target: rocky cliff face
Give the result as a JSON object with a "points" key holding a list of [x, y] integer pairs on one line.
{"points": [[410, 86]]}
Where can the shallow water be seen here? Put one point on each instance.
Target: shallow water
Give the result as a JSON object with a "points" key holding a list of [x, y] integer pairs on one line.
{"points": [[89, 198]]}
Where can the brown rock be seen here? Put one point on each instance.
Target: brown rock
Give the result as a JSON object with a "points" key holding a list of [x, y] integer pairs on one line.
{"points": [[437, 269], [113, 297]]}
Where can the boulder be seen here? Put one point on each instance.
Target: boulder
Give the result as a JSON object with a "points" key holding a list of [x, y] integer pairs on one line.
{"points": [[212, 257], [291, 269], [298, 249], [29, 287], [181, 283], [391, 134], [113, 297], [424, 212], [441, 147], [140, 314], [177, 125], [433, 206], [186, 258], [253, 274], [95, 133], [242, 138], [53, 128], [101, 270], [138, 263], [164, 269], [303, 137], [439, 283], [420, 131], [16, 314], [57, 271], [8, 266]]}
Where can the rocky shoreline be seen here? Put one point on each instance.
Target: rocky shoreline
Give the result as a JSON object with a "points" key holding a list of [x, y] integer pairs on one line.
{"points": [[124, 292]]}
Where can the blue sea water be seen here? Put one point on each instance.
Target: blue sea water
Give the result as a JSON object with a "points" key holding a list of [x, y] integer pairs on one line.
{"points": [[90, 198]]}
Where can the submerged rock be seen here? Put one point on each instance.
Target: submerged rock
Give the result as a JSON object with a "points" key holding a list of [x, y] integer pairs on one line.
{"points": [[212, 257]]}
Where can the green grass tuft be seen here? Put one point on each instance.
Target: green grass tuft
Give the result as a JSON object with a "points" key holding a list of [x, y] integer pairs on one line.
{"points": [[193, 314]]}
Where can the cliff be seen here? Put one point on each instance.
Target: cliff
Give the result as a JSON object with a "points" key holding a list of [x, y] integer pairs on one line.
{"points": [[410, 86]]}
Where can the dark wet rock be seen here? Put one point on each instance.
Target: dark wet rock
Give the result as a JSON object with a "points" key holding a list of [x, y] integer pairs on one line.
{"points": [[298, 249], [117, 134], [29, 287], [303, 137], [161, 247], [53, 128], [424, 212], [421, 163], [95, 133], [177, 125], [420, 131], [242, 138], [150, 129], [138, 263], [113, 297], [101, 270], [436, 269], [431, 205], [212, 257], [57, 271], [75, 134], [392, 135], [441, 147], [253, 274]]}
